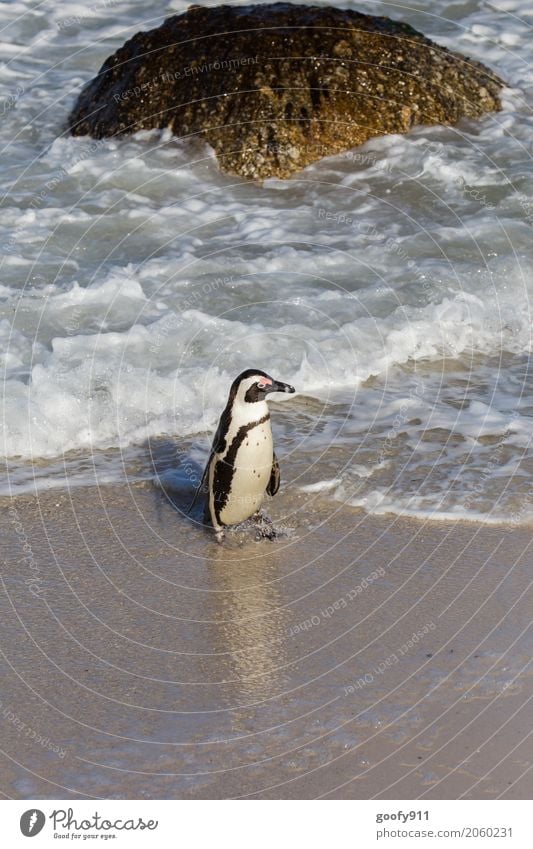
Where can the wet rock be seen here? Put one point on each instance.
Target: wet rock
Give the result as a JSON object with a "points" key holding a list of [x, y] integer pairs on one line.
{"points": [[275, 87]]}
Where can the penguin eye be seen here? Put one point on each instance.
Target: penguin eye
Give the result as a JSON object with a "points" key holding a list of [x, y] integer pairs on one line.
{"points": [[261, 385]]}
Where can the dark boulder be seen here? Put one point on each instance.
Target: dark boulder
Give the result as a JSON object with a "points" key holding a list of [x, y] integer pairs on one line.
{"points": [[272, 88]]}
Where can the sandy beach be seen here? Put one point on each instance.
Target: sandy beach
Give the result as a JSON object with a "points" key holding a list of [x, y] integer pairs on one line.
{"points": [[354, 657]]}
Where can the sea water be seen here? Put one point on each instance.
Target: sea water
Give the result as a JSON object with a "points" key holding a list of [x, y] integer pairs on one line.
{"points": [[390, 284]]}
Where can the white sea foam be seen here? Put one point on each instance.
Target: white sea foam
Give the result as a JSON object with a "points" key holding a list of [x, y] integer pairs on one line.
{"points": [[392, 284]]}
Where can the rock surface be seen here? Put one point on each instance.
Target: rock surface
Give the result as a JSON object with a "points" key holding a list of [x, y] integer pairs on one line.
{"points": [[275, 87]]}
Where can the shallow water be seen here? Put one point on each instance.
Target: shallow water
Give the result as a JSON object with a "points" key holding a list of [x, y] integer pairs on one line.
{"points": [[391, 285]]}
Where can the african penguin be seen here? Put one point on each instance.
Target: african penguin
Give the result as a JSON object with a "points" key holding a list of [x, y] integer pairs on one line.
{"points": [[242, 465]]}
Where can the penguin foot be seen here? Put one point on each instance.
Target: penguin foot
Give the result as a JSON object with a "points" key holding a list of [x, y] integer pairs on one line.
{"points": [[264, 526], [266, 532], [262, 517], [219, 536]]}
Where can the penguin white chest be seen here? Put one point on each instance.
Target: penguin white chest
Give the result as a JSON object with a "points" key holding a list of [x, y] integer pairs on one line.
{"points": [[252, 468]]}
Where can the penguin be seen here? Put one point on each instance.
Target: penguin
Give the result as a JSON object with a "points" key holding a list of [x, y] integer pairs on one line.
{"points": [[242, 466]]}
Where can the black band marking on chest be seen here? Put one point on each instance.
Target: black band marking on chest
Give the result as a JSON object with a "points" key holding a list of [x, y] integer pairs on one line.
{"points": [[225, 468]]}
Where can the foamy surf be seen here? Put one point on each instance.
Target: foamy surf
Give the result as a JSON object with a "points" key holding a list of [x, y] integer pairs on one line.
{"points": [[391, 285]]}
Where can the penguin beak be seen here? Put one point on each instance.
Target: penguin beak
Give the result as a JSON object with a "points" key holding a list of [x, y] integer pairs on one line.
{"points": [[278, 386]]}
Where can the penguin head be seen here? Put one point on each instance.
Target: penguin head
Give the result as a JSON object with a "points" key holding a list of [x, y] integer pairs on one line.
{"points": [[254, 385]]}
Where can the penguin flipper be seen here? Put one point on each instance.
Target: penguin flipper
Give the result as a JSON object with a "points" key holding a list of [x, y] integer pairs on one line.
{"points": [[219, 443], [201, 486], [275, 477]]}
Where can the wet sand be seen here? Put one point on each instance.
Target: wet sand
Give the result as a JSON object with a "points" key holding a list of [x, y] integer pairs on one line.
{"points": [[355, 657]]}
